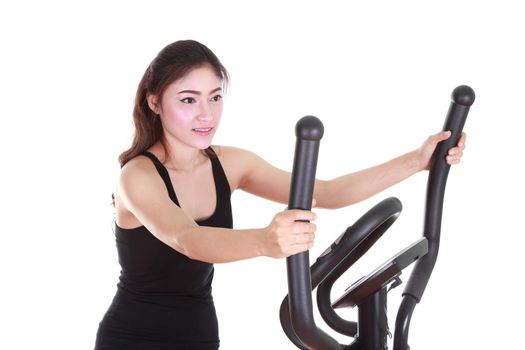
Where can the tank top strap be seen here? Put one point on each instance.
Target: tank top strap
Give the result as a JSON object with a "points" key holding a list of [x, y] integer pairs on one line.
{"points": [[163, 172], [223, 211], [221, 181]]}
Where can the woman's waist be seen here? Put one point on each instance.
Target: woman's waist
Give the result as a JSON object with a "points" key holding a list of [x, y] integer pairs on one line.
{"points": [[161, 316], [165, 297]]}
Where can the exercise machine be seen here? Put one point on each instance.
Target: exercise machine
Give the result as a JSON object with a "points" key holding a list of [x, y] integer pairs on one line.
{"points": [[368, 294]]}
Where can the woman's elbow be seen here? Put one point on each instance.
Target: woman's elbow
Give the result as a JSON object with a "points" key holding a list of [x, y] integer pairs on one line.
{"points": [[179, 240], [323, 199]]}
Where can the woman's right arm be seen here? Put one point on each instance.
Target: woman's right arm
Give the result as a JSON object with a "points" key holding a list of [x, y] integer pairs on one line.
{"points": [[142, 193]]}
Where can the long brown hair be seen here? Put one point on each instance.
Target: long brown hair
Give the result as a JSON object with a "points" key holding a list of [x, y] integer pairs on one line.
{"points": [[172, 63]]}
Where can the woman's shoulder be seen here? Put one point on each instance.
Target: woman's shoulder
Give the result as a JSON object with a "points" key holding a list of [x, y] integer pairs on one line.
{"points": [[138, 168], [236, 162], [237, 158], [230, 152], [139, 177], [140, 162]]}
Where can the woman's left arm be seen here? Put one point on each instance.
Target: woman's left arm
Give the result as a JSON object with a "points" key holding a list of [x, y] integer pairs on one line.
{"points": [[249, 172], [358, 186]]}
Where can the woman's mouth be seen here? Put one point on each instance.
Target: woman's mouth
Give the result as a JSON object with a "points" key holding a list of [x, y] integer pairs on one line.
{"points": [[202, 131]]}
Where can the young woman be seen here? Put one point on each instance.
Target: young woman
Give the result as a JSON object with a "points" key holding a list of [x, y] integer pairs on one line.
{"points": [[173, 211]]}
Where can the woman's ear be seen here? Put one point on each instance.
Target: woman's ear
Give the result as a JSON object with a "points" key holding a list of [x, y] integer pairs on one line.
{"points": [[153, 103]]}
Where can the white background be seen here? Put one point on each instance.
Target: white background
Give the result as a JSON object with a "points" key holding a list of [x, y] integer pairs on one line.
{"points": [[378, 73]]}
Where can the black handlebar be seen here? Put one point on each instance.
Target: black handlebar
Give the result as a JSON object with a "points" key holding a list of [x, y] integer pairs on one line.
{"points": [[462, 98], [309, 131]]}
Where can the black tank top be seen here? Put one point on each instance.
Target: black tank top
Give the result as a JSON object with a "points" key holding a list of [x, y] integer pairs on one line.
{"points": [[164, 298]]}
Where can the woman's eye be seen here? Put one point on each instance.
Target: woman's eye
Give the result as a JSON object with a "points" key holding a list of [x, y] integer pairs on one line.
{"points": [[188, 100], [216, 98]]}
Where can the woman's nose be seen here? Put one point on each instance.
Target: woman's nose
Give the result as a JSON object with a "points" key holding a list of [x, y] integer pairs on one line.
{"points": [[206, 112]]}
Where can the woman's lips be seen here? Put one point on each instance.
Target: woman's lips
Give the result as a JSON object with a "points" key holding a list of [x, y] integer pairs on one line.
{"points": [[203, 131]]}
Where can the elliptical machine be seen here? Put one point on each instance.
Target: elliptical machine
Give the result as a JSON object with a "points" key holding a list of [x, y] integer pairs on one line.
{"points": [[368, 294]]}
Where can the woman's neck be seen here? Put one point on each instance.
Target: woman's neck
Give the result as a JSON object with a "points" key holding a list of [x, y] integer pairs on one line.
{"points": [[179, 157]]}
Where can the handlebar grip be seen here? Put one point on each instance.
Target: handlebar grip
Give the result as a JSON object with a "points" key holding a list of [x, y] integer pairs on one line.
{"points": [[462, 98], [309, 131]]}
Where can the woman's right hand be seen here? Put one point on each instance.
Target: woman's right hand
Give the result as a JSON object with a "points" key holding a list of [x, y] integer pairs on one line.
{"points": [[289, 234]]}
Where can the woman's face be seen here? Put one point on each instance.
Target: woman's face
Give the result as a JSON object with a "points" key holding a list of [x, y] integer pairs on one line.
{"points": [[191, 108]]}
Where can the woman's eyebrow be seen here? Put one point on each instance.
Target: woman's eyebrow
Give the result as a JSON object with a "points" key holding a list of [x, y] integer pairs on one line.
{"points": [[195, 92]]}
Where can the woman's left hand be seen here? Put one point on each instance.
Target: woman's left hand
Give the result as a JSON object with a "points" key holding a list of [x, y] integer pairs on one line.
{"points": [[427, 149], [455, 153]]}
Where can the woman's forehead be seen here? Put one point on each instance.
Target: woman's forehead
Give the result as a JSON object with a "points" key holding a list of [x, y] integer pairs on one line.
{"points": [[201, 78]]}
